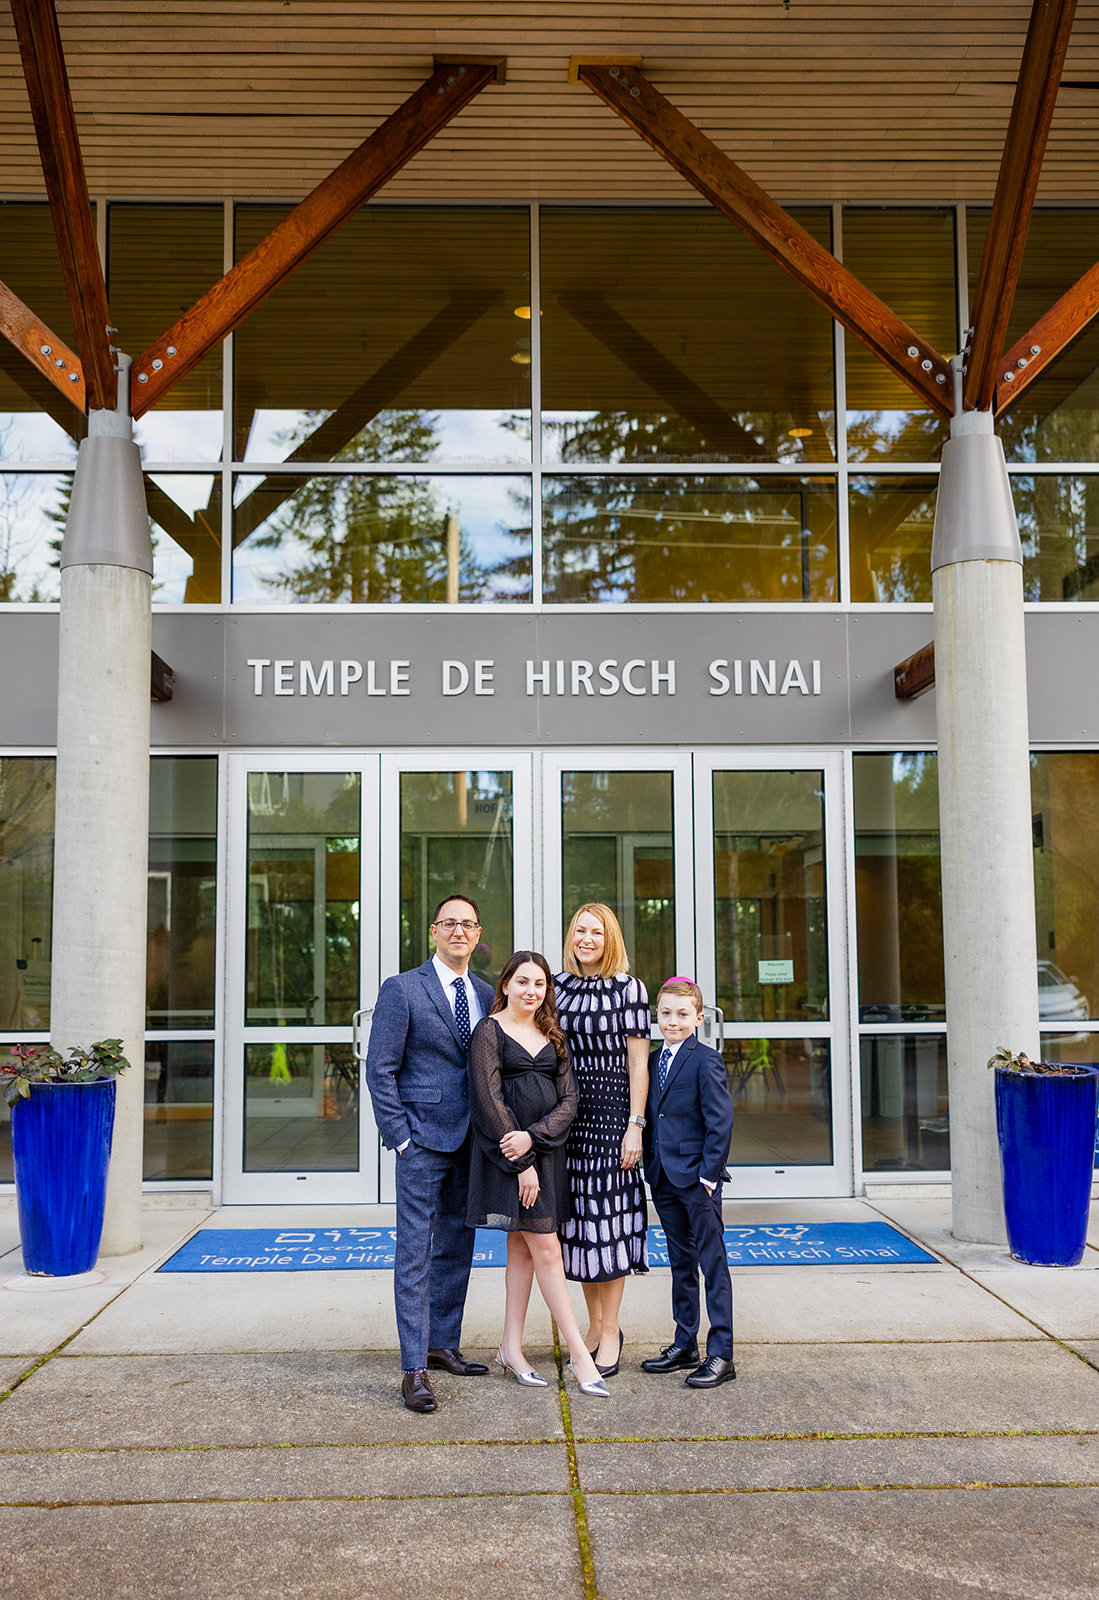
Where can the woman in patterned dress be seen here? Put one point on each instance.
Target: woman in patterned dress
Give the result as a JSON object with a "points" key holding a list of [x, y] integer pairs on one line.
{"points": [[605, 1015]]}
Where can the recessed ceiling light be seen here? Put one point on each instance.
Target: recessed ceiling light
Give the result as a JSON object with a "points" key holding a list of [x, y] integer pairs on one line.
{"points": [[801, 433]]}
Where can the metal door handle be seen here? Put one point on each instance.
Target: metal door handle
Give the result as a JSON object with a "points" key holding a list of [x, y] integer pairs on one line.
{"points": [[714, 1026], [360, 1031]]}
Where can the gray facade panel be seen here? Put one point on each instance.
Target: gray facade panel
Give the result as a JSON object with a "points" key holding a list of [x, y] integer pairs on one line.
{"points": [[600, 678]]}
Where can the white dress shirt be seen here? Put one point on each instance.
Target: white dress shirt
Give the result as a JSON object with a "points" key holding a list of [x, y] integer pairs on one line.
{"points": [[446, 976]]}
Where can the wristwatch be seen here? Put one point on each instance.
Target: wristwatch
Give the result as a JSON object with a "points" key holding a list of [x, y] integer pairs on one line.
{"points": [[639, 1120]]}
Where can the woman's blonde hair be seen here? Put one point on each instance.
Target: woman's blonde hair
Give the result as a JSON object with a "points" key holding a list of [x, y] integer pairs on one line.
{"points": [[615, 959]]}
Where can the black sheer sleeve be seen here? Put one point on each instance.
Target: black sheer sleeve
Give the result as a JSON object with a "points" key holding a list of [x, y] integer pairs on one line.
{"points": [[488, 1110], [551, 1132]]}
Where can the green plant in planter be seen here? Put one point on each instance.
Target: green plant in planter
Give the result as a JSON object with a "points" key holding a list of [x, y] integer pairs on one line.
{"points": [[1022, 1063], [41, 1064]]}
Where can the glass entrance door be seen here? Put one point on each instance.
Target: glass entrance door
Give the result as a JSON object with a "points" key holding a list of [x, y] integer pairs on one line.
{"points": [[771, 950], [337, 864], [303, 948]]}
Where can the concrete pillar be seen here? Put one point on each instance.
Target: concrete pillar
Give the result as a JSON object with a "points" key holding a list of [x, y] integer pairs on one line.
{"points": [[102, 817], [984, 805]]}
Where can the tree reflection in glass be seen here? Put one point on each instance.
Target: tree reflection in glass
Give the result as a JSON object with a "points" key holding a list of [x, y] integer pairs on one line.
{"points": [[369, 538], [689, 538]]}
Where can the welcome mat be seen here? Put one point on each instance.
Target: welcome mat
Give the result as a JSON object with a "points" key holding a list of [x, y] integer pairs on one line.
{"points": [[787, 1244]]}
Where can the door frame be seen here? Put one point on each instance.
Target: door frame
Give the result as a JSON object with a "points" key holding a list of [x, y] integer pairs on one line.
{"points": [[290, 1188], [520, 763], [788, 1182], [553, 764]]}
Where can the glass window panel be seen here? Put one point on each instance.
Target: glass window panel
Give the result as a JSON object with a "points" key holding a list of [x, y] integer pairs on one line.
{"points": [[408, 323], [182, 906], [770, 910], [382, 539], [907, 257], [1064, 789], [37, 423], [301, 1108], [34, 507], [905, 1122], [1057, 418], [612, 539], [892, 521], [7, 1168], [782, 1091], [456, 837], [1059, 527], [160, 259], [303, 897], [667, 335], [899, 896], [179, 1109], [26, 891], [617, 848], [185, 525], [898, 889]]}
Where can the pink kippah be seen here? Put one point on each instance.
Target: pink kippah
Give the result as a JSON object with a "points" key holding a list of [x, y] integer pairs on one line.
{"points": [[679, 980]]}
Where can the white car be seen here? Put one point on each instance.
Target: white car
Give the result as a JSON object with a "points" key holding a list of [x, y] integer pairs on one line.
{"points": [[1058, 996]]}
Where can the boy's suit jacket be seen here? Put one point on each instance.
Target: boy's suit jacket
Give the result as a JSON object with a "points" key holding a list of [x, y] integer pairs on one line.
{"points": [[416, 1065], [691, 1122]]}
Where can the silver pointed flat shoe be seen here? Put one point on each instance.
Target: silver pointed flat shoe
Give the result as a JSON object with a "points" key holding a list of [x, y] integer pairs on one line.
{"points": [[528, 1380]]}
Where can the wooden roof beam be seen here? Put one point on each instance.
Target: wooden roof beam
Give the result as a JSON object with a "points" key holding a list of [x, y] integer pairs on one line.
{"points": [[67, 188], [1030, 355], [716, 176], [365, 171], [43, 349], [1020, 167]]}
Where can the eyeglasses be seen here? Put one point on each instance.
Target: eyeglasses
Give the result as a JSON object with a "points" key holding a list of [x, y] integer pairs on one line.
{"points": [[449, 924]]}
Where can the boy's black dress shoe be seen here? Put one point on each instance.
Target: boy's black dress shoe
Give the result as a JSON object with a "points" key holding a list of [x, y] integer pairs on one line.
{"points": [[417, 1393], [714, 1370], [454, 1361], [673, 1358]]}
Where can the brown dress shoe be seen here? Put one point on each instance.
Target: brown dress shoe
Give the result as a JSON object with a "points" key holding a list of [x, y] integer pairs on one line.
{"points": [[417, 1393], [454, 1362]]}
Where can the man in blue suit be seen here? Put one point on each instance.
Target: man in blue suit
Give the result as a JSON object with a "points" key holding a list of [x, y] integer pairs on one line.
{"points": [[687, 1136], [416, 1071]]}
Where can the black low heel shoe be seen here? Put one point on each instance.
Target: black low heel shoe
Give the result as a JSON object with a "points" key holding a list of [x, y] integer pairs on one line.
{"points": [[612, 1370]]}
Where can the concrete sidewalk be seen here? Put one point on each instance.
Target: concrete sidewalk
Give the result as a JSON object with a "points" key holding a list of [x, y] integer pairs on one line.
{"points": [[918, 1432]]}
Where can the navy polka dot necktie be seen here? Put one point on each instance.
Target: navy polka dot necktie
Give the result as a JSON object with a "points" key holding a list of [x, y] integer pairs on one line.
{"points": [[461, 1012], [662, 1067]]}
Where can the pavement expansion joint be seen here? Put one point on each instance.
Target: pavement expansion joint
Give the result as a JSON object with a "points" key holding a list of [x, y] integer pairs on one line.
{"points": [[583, 1534], [699, 1491], [257, 1447], [303, 1499], [839, 1438]]}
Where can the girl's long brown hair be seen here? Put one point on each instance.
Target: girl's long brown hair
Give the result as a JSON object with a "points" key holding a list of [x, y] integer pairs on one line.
{"points": [[545, 1018]]}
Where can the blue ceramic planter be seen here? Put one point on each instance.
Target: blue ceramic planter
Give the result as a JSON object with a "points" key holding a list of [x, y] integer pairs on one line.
{"points": [[61, 1147], [1046, 1126]]}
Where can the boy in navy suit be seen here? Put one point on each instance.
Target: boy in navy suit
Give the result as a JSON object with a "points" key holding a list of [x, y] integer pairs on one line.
{"points": [[690, 1121]]}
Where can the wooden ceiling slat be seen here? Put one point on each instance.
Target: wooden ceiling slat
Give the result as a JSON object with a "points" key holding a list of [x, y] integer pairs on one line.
{"points": [[905, 98]]}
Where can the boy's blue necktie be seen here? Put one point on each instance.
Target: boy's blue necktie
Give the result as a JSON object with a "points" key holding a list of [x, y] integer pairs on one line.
{"points": [[662, 1067], [461, 1012]]}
